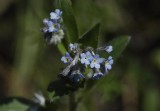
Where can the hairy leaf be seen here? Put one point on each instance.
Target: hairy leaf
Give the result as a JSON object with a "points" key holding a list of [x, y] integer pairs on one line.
{"points": [[69, 20], [90, 38], [119, 44]]}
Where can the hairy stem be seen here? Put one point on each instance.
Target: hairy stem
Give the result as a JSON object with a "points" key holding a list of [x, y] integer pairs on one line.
{"points": [[72, 102]]}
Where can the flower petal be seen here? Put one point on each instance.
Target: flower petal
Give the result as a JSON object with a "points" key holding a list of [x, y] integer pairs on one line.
{"points": [[63, 58], [92, 65], [53, 15], [87, 62], [100, 60], [111, 62], [83, 55], [97, 66], [109, 67], [83, 60]]}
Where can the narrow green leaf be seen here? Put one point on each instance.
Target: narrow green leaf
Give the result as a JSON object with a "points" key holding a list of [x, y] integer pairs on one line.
{"points": [[61, 48], [119, 44], [14, 106], [90, 38], [69, 20]]}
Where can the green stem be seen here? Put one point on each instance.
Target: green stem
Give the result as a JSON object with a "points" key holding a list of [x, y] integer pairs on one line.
{"points": [[72, 102], [61, 48]]}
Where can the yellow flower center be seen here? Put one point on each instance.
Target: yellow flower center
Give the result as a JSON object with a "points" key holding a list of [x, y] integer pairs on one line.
{"points": [[67, 59], [106, 63], [94, 60]]}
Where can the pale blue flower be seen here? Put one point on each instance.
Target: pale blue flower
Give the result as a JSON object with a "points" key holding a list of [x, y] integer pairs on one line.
{"points": [[56, 15], [58, 12], [66, 58], [73, 47], [50, 26], [86, 58], [108, 63], [96, 62], [53, 27], [89, 56], [109, 49]]}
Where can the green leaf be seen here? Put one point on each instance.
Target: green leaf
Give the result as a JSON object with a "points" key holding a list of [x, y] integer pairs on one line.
{"points": [[14, 106], [61, 48], [69, 20], [52, 97], [119, 44], [90, 38]]}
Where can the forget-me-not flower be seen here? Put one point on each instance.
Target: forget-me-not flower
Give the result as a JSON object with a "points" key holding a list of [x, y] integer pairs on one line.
{"points": [[89, 56], [96, 62], [98, 66], [53, 29], [56, 15], [66, 58], [86, 58], [108, 63], [50, 26], [109, 49]]}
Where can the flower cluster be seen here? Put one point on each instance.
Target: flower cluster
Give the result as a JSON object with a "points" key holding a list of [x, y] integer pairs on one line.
{"points": [[53, 28], [82, 64]]}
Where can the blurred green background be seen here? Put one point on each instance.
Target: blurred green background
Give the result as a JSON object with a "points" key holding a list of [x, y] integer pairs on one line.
{"points": [[28, 64]]}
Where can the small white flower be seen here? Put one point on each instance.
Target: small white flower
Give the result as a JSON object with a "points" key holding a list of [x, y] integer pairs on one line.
{"points": [[57, 37], [60, 32]]}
